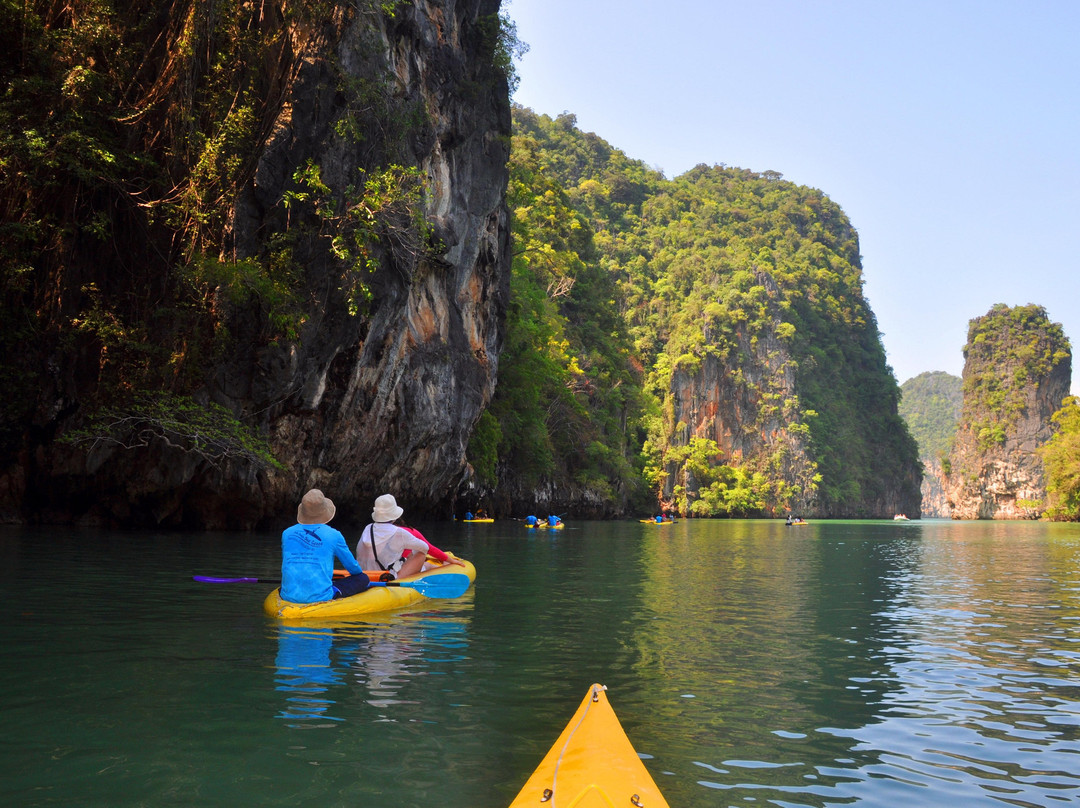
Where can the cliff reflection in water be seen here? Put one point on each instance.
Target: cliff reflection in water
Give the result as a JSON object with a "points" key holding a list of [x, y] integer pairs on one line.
{"points": [[939, 656], [783, 619], [319, 666]]}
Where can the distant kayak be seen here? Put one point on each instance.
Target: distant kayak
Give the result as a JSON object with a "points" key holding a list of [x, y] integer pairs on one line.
{"points": [[654, 522], [478, 520], [592, 765], [376, 599]]}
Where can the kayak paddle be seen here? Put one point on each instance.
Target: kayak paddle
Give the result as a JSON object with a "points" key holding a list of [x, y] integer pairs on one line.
{"points": [[443, 585]]}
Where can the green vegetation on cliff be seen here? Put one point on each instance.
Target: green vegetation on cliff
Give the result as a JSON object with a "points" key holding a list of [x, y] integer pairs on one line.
{"points": [[124, 132], [1008, 350], [931, 404], [735, 257], [1061, 456], [1017, 370], [757, 275], [127, 132], [567, 398]]}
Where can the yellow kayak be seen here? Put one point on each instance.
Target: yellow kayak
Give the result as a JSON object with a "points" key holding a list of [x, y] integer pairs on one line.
{"points": [[591, 765], [474, 521], [381, 599]]}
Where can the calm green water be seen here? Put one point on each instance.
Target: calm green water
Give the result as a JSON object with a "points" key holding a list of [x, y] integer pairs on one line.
{"points": [[914, 664]]}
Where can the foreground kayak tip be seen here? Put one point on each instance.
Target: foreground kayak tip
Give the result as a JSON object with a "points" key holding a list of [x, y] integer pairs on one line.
{"points": [[592, 765]]}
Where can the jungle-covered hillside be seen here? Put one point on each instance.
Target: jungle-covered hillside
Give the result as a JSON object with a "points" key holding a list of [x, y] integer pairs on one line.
{"points": [[931, 407], [706, 336]]}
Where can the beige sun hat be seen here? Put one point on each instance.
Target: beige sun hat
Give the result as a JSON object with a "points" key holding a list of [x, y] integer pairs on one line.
{"points": [[315, 509], [386, 509]]}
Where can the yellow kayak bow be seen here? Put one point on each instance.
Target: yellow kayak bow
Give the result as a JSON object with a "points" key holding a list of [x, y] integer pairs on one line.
{"points": [[592, 765]]}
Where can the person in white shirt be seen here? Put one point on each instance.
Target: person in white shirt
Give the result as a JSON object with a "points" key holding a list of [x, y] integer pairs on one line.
{"points": [[385, 546]]}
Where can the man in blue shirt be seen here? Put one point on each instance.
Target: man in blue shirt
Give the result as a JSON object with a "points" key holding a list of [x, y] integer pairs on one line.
{"points": [[308, 550]]}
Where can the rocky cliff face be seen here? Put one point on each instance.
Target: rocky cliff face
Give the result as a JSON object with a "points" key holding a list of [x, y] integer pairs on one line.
{"points": [[786, 375], [370, 395], [1017, 370], [934, 501], [747, 403], [387, 404]]}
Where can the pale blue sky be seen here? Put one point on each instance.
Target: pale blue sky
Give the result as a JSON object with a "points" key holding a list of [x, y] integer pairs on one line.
{"points": [[947, 130]]}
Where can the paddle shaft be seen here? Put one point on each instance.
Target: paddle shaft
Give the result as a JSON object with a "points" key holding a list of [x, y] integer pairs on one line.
{"points": [[209, 579], [444, 585]]}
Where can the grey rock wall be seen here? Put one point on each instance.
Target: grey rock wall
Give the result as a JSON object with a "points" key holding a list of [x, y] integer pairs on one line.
{"points": [[365, 398]]}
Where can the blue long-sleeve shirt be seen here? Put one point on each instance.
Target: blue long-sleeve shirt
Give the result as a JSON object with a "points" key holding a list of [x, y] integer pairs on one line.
{"points": [[307, 562]]}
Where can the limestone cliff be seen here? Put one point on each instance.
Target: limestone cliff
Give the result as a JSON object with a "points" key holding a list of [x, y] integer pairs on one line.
{"points": [[776, 358], [1017, 370], [765, 383], [934, 502], [392, 323]]}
